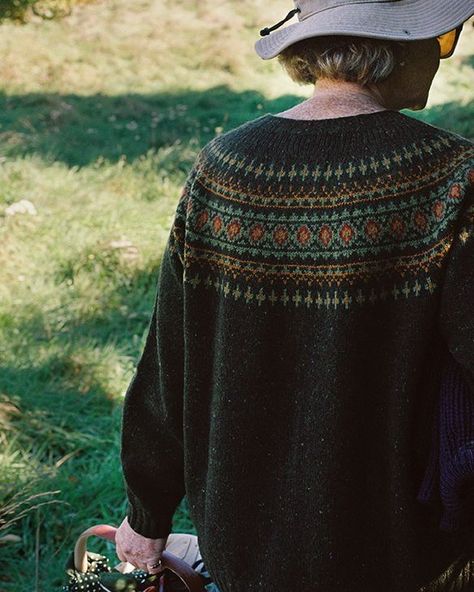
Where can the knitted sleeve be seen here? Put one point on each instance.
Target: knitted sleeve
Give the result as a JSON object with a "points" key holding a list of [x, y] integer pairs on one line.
{"points": [[152, 434], [457, 299]]}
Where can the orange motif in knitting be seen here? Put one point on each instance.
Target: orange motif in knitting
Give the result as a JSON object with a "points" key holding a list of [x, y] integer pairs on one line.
{"points": [[372, 229], [421, 221], [280, 235], [397, 226], [256, 232], [202, 219], [346, 233], [438, 209], [456, 191], [303, 235], [217, 224], [233, 229], [325, 235]]}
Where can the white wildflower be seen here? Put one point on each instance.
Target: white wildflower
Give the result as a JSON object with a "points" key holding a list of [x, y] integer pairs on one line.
{"points": [[23, 206]]}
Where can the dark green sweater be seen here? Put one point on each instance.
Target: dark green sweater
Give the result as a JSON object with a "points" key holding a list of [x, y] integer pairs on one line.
{"points": [[314, 273]]}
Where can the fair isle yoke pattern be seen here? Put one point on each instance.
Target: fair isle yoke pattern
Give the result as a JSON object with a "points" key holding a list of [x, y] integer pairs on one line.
{"points": [[288, 385], [295, 227]]}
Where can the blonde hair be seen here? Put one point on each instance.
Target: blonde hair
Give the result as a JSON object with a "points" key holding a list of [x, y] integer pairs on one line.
{"points": [[353, 59]]}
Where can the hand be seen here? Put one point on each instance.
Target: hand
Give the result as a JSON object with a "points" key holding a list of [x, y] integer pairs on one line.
{"points": [[138, 550]]}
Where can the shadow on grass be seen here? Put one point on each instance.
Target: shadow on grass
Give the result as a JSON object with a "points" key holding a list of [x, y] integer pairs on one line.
{"points": [[65, 409], [62, 385], [60, 399], [79, 130]]}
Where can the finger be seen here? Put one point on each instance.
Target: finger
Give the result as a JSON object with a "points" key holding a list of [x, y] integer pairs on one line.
{"points": [[154, 567], [137, 563]]}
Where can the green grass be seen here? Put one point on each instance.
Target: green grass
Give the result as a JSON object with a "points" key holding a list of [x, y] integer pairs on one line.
{"points": [[101, 117]]}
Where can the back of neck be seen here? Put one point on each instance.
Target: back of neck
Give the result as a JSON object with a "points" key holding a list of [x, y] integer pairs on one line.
{"points": [[335, 98]]}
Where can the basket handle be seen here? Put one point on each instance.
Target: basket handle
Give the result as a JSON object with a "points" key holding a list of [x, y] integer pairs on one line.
{"points": [[180, 568]]}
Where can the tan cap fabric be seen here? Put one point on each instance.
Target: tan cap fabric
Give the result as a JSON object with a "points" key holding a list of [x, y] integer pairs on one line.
{"points": [[383, 19]]}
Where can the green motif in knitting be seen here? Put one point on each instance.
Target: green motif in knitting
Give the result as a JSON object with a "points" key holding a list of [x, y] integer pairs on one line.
{"points": [[317, 273], [329, 299], [383, 188], [394, 235], [369, 231], [242, 165]]}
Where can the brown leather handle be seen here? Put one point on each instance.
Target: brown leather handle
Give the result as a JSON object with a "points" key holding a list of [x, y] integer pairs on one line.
{"points": [[190, 578], [185, 572]]}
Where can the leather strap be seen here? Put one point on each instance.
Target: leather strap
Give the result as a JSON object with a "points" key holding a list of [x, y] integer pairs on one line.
{"points": [[185, 572], [190, 578]]}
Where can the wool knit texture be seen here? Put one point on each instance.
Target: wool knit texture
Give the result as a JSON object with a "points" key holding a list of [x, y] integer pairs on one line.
{"points": [[449, 477], [315, 274]]}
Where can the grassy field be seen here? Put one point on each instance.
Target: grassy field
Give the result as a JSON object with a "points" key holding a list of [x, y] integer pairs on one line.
{"points": [[101, 116]]}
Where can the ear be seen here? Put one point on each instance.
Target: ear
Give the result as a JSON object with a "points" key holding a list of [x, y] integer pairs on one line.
{"points": [[402, 53]]}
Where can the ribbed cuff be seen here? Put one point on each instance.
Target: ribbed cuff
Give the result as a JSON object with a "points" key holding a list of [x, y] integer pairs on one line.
{"points": [[153, 526], [428, 492]]}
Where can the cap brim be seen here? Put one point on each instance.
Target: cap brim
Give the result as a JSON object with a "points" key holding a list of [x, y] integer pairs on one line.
{"points": [[402, 20]]}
